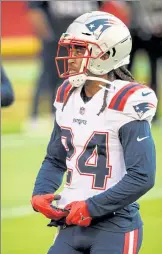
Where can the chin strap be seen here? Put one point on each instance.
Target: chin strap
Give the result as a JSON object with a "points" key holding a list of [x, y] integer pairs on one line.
{"points": [[80, 80], [111, 86]]}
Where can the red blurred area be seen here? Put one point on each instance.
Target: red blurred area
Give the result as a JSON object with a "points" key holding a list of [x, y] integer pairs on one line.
{"points": [[14, 19], [119, 9]]}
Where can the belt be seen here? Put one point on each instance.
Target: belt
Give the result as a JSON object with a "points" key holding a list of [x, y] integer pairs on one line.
{"points": [[60, 223]]}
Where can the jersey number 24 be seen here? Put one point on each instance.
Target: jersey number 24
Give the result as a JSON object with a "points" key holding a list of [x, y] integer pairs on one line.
{"points": [[96, 147]]}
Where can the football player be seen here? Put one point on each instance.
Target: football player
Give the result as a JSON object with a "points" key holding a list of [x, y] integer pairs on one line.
{"points": [[101, 139]]}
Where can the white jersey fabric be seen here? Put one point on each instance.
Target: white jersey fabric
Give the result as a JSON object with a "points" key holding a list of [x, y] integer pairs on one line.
{"points": [[95, 159]]}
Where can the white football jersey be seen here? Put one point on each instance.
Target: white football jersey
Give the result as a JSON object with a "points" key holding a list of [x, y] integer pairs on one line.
{"points": [[95, 160]]}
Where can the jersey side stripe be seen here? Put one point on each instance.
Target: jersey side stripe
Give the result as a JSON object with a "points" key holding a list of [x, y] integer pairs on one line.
{"points": [[61, 90]]}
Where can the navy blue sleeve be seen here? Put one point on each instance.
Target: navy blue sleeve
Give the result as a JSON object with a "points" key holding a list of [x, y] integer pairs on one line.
{"points": [[51, 173], [7, 95], [140, 160]]}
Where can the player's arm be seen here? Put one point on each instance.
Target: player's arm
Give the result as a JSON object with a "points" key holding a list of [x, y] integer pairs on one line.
{"points": [[50, 177], [51, 173], [137, 108], [139, 154], [7, 95]]}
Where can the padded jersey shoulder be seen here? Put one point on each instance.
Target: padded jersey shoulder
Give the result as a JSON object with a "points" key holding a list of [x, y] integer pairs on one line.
{"points": [[134, 100], [62, 93]]}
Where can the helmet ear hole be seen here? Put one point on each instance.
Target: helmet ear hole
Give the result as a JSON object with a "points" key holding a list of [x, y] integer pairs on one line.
{"points": [[105, 56], [113, 52]]}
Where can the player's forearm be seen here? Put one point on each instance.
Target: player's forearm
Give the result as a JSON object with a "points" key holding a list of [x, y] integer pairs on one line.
{"points": [[51, 173], [127, 191]]}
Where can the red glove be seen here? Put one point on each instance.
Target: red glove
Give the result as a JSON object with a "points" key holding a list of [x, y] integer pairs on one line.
{"points": [[43, 204], [78, 214]]}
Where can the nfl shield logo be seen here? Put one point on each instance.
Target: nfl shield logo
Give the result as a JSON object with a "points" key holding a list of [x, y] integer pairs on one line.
{"points": [[82, 110]]}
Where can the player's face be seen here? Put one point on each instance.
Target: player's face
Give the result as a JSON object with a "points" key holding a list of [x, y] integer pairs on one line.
{"points": [[71, 54], [75, 64]]}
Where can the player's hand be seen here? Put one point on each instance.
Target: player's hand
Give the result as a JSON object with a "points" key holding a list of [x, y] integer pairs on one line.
{"points": [[78, 214], [43, 204]]}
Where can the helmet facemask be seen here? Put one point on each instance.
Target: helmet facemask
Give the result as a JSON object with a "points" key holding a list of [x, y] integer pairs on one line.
{"points": [[66, 47]]}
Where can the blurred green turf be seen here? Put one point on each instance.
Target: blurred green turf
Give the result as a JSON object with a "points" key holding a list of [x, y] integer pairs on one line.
{"points": [[22, 72], [26, 235], [21, 159]]}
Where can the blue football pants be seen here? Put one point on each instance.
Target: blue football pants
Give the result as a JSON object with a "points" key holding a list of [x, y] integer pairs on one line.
{"points": [[80, 240]]}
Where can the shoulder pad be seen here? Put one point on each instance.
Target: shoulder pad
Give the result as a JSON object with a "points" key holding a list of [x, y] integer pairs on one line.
{"points": [[62, 93], [135, 100]]}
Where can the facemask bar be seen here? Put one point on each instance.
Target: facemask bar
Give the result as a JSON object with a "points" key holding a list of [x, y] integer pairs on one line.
{"points": [[69, 45]]}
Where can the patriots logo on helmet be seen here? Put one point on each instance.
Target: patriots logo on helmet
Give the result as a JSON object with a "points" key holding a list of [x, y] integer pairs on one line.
{"points": [[142, 108], [100, 25]]}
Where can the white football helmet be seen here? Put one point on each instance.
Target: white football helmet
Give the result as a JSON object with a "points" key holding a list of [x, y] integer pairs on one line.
{"points": [[100, 33]]}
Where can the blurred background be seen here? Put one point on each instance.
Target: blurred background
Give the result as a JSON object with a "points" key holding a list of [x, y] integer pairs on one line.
{"points": [[30, 32]]}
